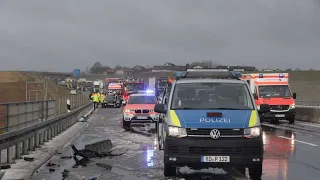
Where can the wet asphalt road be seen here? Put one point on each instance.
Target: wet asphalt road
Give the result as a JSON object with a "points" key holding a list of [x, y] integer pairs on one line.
{"points": [[288, 155]]}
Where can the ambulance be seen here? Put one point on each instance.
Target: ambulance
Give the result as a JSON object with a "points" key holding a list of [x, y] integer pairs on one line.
{"points": [[273, 89]]}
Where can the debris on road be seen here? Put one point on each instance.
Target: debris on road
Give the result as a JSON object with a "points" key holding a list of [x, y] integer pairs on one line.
{"points": [[28, 159], [51, 164], [101, 147], [66, 157], [83, 162], [98, 149], [5, 166], [51, 170], [65, 174], [105, 166]]}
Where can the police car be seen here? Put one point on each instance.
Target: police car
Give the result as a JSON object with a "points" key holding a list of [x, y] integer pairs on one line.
{"points": [[211, 120]]}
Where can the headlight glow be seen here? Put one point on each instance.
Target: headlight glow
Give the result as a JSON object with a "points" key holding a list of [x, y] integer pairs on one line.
{"points": [[252, 132], [292, 106], [128, 110], [177, 132]]}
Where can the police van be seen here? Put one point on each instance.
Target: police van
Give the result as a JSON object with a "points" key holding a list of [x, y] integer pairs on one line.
{"points": [[211, 120]]}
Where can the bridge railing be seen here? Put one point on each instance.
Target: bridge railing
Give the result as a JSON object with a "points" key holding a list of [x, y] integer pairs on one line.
{"points": [[27, 125], [15, 116]]}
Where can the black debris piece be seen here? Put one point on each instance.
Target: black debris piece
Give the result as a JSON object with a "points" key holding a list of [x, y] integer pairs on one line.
{"points": [[5, 166], [101, 147], [51, 164], [65, 174], [66, 157], [83, 162], [51, 170], [105, 166], [28, 159], [98, 149]]}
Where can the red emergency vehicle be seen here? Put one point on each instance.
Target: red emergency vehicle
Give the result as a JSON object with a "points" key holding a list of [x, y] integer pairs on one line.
{"points": [[114, 84], [131, 87], [273, 89]]}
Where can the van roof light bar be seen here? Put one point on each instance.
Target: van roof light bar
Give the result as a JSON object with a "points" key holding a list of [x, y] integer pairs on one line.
{"points": [[206, 74]]}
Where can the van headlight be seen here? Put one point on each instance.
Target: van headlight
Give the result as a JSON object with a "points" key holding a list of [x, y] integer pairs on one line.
{"points": [[252, 132], [177, 131], [292, 106]]}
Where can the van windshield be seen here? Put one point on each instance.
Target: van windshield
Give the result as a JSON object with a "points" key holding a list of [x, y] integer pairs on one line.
{"points": [[274, 91], [211, 96]]}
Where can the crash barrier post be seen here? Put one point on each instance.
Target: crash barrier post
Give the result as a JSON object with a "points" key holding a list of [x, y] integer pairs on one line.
{"points": [[27, 125]]}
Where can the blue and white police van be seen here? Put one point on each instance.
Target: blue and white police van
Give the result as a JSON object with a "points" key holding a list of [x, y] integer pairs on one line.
{"points": [[211, 120]]}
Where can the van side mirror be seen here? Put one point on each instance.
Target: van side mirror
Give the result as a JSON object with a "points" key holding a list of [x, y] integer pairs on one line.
{"points": [[160, 108], [294, 95], [264, 108], [255, 96]]}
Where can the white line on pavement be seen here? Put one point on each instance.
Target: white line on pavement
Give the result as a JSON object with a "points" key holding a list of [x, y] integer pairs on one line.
{"points": [[298, 141]]}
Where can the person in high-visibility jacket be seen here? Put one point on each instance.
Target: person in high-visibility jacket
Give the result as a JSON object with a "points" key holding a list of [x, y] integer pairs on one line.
{"points": [[102, 98], [95, 98]]}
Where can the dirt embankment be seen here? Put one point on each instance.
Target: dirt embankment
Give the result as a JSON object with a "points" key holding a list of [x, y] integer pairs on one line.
{"points": [[13, 87]]}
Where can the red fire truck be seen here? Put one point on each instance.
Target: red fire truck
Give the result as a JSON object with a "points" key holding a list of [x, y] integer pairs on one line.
{"points": [[130, 87]]}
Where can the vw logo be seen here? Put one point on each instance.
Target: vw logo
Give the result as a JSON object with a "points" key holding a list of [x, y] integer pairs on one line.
{"points": [[215, 134], [279, 107]]}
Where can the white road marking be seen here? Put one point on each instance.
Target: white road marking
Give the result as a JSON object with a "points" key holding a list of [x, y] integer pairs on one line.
{"points": [[309, 124], [298, 141]]}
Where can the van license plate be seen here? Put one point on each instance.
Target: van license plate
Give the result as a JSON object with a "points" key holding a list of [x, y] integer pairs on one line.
{"points": [[215, 159], [280, 115], [142, 117]]}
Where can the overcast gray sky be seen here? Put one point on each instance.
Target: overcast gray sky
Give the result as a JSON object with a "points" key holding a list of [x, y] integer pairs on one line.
{"points": [[60, 35]]}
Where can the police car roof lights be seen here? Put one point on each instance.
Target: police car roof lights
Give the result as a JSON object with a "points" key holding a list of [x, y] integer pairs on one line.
{"points": [[208, 74]]}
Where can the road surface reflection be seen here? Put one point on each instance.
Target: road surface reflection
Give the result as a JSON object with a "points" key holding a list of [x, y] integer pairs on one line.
{"points": [[277, 152]]}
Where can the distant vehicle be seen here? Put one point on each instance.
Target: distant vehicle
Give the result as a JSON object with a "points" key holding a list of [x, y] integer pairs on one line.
{"points": [[140, 109], [111, 100], [73, 92]]}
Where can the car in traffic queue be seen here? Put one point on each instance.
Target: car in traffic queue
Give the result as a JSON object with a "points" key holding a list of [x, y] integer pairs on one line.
{"points": [[140, 109], [211, 120]]}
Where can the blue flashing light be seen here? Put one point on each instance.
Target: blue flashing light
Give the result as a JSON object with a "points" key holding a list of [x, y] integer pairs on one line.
{"points": [[260, 75], [149, 91], [280, 75]]}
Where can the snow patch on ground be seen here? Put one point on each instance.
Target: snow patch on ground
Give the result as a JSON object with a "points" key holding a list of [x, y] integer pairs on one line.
{"points": [[187, 170]]}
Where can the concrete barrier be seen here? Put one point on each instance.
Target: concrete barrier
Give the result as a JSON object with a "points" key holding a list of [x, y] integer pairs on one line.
{"points": [[308, 113]]}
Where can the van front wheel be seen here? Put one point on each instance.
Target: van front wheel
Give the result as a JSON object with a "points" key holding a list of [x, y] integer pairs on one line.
{"points": [[255, 172]]}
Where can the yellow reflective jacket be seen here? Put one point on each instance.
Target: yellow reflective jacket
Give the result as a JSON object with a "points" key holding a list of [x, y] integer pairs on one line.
{"points": [[96, 97], [101, 97]]}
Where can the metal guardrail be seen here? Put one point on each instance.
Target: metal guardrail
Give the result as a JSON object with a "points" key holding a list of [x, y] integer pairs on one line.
{"points": [[27, 125], [307, 103]]}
